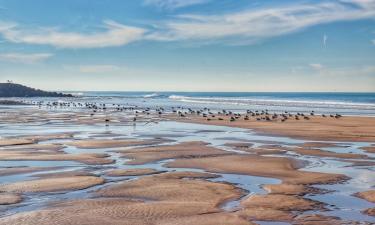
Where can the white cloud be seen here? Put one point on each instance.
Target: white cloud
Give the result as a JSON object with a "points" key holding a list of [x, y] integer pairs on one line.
{"points": [[97, 68], [244, 27], [4, 26], [316, 66], [357, 71], [173, 4], [255, 24], [24, 58], [115, 35]]}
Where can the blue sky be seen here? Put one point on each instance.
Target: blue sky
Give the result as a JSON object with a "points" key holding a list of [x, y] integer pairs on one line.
{"points": [[189, 45]]}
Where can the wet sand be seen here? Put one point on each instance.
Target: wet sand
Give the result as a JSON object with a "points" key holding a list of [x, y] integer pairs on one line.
{"points": [[280, 202], [290, 189], [282, 168], [105, 143], [87, 158], [10, 142], [370, 149], [36, 147], [52, 184], [123, 212], [162, 188], [183, 150], [316, 128], [20, 170], [132, 172], [8, 199], [367, 195], [321, 153], [187, 179]]}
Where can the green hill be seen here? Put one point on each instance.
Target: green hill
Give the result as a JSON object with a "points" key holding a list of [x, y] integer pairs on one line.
{"points": [[18, 90]]}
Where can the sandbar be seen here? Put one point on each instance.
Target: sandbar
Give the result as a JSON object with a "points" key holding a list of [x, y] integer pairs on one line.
{"points": [[182, 150], [282, 168], [52, 184], [132, 172], [8, 199]]}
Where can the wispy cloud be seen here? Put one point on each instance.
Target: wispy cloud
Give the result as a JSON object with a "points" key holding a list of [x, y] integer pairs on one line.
{"points": [[316, 66], [116, 34], [250, 25], [244, 27], [97, 68], [325, 39], [24, 58], [173, 4], [343, 71]]}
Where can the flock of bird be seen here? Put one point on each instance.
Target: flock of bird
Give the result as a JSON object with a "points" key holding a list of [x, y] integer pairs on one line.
{"points": [[262, 115], [206, 113]]}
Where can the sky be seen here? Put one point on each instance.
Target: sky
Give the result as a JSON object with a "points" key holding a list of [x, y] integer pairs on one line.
{"points": [[189, 45]]}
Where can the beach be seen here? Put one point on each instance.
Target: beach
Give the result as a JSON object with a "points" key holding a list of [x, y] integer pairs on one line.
{"points": [[141, 165]]}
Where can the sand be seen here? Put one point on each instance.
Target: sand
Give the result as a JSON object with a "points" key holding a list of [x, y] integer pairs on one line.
{"points": [[208, 219], [316, 219], [122, 212], [159, 188], [280, 202], [370, 211], [317, 128], [35, 147], [20, 170], [169, 200], [64, 174], [132, 172], [367, 195], [265, 151], [52, 184], [8, 199], [289, 189], [87, 158], [187, 174], [47, 137], [320, 145], [183, 150], [14, 141], [183, 197], [265, 214], [282, 168], [322, 153], [275, 207], [369, 149], [109, 143], [261, 150], [239, 145]]}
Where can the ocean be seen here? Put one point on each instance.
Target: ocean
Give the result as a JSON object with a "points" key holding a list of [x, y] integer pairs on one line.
{"points": [[343, 103], [360, 104]]}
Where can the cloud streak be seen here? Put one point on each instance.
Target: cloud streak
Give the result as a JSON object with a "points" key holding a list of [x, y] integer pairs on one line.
{"points": [[316, 66], [115, 35], [24, 58], [244, 27], [263, 23], [173, 4], [97, 68]]}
